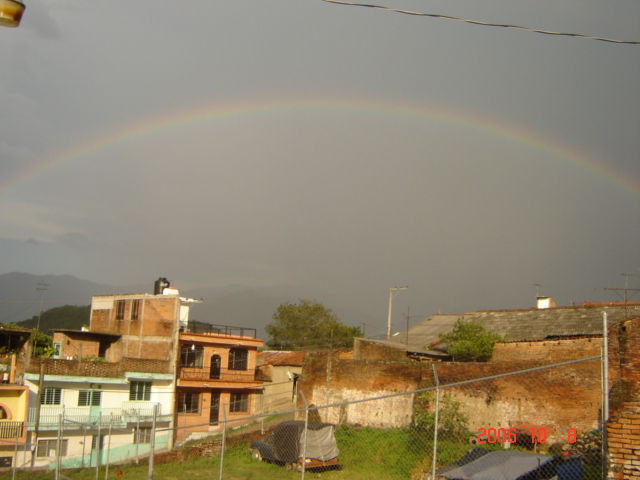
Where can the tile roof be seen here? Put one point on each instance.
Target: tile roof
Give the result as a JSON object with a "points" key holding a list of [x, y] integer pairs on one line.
{"points": [[280, 358], [519, 325]]}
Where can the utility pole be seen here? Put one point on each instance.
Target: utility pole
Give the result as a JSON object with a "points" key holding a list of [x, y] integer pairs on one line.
{"points": [[391, 290], [42, 288], [625, 296]]}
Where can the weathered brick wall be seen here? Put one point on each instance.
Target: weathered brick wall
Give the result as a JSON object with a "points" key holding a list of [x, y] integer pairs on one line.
{"points": [[549, 351], [623, 430], [557, 399], [366, 350]]}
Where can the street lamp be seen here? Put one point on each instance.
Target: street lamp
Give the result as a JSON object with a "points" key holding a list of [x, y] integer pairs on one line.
{"points": [[11, 12]]}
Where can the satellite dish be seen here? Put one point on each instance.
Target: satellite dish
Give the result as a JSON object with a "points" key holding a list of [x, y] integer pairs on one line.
{"points": [[11, 12]]}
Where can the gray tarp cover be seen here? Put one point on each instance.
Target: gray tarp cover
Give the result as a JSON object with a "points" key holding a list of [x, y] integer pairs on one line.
{"points": [[321, 444], [499, 466]]}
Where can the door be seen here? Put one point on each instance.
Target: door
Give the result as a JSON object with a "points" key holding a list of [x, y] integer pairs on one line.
{"points": [[215, 407]]}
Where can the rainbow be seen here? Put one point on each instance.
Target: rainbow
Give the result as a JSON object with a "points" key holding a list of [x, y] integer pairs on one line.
{"points": [[563, 152]]}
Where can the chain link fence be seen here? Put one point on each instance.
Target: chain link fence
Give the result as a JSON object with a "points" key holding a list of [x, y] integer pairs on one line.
{"points": [[515, 425]]}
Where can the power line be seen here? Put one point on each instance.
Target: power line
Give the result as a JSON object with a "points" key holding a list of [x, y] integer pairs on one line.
{"points": [[476, 22]]}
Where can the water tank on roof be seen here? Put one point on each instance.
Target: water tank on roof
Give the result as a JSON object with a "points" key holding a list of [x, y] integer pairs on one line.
{"points": [[160, 285]]}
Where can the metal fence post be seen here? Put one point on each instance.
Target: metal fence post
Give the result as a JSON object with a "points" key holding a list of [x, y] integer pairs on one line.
{"points": [[58, 447], [106, 471], [224, 441], [435, 430], [152, 445], [98, 450], [304, 442]]}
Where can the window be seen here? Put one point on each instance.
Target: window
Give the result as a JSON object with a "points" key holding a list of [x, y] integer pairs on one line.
{"points": [[192, 356], [97, 442], [120, 304], [189, 402], [135, 310], [5, 462], [142, 435], [239, 402], [48, 448], [56, 350], [140, 391], [238, 359], [89, 398], [51, 396]]}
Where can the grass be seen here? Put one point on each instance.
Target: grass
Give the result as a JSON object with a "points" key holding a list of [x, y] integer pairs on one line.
{"points": [[365, 453]]}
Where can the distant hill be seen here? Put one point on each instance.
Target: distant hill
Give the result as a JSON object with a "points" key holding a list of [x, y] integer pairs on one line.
{"points": [[68, 317], [235, 305]]}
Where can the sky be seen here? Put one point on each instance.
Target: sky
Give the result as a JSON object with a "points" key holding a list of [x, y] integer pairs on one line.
{"points": [[334, 150]]}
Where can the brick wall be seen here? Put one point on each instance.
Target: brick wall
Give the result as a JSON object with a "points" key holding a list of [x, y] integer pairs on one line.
{"points": [[623, 430], [557, 399]]}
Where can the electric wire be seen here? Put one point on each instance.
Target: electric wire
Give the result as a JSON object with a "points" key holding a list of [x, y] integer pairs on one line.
{"points": [[476, 22]]}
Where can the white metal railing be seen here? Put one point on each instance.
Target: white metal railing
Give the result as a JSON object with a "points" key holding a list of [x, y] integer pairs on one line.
{"points": [[128, 412]]}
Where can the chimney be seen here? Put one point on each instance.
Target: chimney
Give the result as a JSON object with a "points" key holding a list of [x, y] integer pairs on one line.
{"points": [[546, 302]]}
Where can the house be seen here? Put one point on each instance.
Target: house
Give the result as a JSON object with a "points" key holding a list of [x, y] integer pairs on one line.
{"points": [[281, 370], [217, 379], [109, 386], [15, 349], [545, 322]]}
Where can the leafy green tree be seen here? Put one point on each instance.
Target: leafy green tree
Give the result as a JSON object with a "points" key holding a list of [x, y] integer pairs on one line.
{"points": [[470, 341], [308, 324], [42, 344]]}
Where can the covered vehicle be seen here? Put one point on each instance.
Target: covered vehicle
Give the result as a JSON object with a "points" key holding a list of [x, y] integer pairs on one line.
{"points": [[286, 446]]}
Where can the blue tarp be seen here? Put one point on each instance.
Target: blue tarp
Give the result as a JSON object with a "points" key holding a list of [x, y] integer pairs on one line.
{"points": [[510, 465]]}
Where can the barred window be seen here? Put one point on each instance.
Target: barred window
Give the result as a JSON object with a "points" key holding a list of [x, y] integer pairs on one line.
{"points": [[135, 310], [48, 448], [51, 396], [89, 398], [120, 304], [140, 391], [97, 442], [238, 359], [142, 435], [239, 402], [189, 402], [192, 356]]}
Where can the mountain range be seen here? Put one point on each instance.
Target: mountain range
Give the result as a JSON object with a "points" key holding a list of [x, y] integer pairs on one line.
{"points": [[24, 295]]}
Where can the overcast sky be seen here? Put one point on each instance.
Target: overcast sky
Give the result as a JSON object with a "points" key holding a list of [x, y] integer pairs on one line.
{"points": [[324, 147]]}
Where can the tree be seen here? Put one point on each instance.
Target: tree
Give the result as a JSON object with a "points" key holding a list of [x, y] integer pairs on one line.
{"points": [[308, 324], [42, 344], [470, 341]]}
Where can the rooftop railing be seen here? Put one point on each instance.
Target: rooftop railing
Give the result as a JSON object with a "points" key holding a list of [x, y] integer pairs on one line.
{"points": [[225, 330]]}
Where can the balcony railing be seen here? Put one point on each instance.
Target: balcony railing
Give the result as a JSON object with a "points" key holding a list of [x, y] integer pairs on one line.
{"points": [[223, 330], [79, 417], [202, 374], [11, 429]]}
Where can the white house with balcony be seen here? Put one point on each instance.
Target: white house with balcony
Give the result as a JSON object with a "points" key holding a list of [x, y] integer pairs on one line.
{"points": [[89, 421]]}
